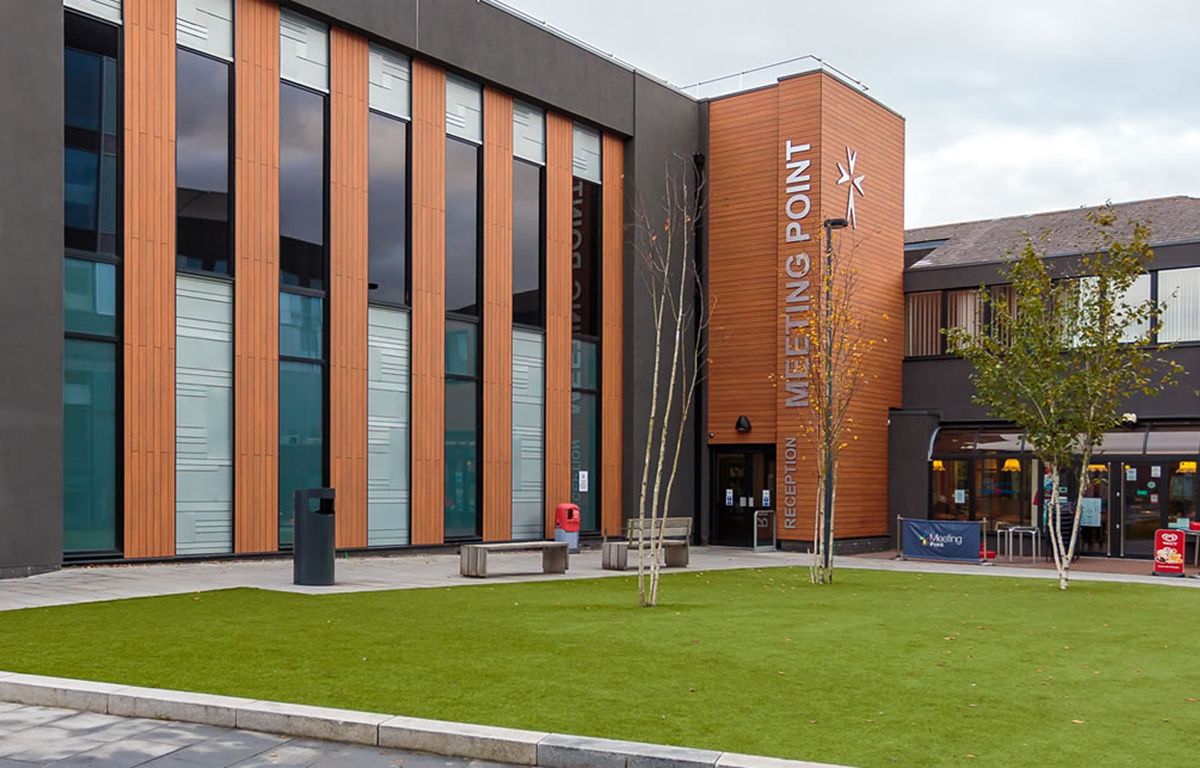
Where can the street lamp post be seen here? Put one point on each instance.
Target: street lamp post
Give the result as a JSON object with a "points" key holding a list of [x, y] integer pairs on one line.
{"points": [[830, 225]]}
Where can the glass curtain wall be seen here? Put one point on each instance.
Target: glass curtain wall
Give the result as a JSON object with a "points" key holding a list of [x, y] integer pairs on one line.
{"points": [[462, 518], [388, 335], [204, 291], [585, 327], [464, 246], [303, 262], [91, 271]]}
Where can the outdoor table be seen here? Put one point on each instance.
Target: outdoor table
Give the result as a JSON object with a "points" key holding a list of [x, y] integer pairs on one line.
{"points": [[1020, 531]]}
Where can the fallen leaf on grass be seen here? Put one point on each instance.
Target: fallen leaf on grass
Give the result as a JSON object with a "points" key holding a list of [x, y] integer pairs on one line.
{"points": [[1078, 722], [813, 722]]}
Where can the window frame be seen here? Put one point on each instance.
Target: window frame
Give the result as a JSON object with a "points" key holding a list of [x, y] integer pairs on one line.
{"points": [[541, 239], [231, 148], [408, 217], [476, 380], [75, 25]]}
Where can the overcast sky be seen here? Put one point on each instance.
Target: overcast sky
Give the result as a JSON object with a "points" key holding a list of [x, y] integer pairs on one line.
{"points": [[1011, 108]]}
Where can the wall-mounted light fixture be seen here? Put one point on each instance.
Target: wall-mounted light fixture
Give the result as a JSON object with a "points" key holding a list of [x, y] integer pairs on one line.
{"points": [[743, 424]]}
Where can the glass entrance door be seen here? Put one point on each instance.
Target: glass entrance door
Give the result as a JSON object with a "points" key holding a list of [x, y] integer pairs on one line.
{"points": [[744, 479], [1143, 505]]}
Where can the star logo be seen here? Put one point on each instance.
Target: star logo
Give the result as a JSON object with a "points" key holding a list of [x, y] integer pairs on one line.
{"points": [[855, 183]]}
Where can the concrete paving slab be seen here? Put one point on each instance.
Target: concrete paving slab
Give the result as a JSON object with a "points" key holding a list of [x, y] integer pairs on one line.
{"points": [[123, 754], [231, 748], [312, 722], [27, 717], [184, 734], [480, 742]]}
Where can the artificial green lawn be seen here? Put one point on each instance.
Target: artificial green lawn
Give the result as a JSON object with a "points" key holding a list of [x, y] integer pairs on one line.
{"points": [[881, 669]]}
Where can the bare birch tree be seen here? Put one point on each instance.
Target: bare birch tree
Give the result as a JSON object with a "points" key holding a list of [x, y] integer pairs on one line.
{"points": [[664, 241], [839, 344]]}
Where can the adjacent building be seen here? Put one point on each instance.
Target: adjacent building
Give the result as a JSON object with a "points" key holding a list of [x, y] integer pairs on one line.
{"points": [[949, 460]]}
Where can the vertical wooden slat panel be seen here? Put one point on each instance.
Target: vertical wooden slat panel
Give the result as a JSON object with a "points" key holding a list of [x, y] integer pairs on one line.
{"points": [[612, 353], [558, 314], [149, 279], [497, 314], [256, 292], [348, 171], [428, 301]]}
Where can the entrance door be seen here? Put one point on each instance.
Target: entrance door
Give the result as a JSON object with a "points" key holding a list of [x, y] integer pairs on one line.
{"points": [[1144, 505], [744, 482]]}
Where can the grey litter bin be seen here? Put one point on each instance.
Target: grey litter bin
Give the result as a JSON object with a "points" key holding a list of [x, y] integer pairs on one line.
{"points": [[312, 550]]}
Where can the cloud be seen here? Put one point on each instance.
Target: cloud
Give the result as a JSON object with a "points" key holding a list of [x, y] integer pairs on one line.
{"points": [[1011, 107]]}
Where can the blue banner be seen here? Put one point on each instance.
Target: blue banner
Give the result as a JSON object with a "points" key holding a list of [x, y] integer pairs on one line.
{"points": [[941, 540]]}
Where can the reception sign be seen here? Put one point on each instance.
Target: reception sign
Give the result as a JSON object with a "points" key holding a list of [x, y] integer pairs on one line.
{"points": [[941, 540], [1168, 553]]}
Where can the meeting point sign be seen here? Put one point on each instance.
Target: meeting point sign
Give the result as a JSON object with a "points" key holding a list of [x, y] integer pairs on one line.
{"points": [[940, 540]]}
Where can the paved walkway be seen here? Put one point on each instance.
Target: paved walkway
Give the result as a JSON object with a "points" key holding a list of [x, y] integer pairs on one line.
{"points": [[366, 574], [32, 736]]}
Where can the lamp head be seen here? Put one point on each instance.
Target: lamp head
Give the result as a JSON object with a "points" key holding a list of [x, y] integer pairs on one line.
{"points": [[836, 223]]}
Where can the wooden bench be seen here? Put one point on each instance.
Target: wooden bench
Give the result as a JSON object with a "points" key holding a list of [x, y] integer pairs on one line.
{"points": [[677, 536], [473, 558]]}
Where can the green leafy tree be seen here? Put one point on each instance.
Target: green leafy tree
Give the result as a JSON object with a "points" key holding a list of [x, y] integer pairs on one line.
{"points": [[1061, 353]]}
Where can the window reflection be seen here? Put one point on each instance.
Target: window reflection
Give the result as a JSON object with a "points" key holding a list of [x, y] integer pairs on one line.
{"points": [[462, 227], [301, 187], [388, 210], [202, 163], [528, 243]]}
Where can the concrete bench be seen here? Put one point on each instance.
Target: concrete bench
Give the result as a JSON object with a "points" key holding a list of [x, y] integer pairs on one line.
{"points": [[677, 535], [473, 558]]}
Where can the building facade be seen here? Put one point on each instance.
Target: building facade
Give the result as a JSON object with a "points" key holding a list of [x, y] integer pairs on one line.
{"points": [[949, 460], [385, 247]]}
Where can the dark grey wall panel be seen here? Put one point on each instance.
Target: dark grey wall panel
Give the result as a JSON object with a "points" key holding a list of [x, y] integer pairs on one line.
{"points": [[909, 433], [944, 385], [667, 125], [500, 48], [31, 260]]}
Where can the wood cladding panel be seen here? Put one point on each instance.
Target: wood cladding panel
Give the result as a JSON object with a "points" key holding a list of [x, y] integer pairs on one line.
{"points": [[149, 279], [497, 314], [348, 223], [748, 248], [877, 249], [742, 267], [428, 301], [799, 121], [256, 273], [612, 354], [558, 313]]}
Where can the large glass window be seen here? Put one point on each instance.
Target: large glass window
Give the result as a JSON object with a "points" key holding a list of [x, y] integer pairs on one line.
{"points": [[1001, 489], [89, 446], [388, 410], [302, 187], [91, 352], [951, 490], [923, 324], [964, 310], [202, 141], [1179, 290], [529, 434], [585, 433], [1137, 295], [91, 135], [301, 437], [585, 258], [462, 227], [388, 206], [90, 297], [462, 431], [528, 243]]}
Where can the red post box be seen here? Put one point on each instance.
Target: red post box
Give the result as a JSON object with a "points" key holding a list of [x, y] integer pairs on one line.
{"points": [[566, 518]]}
